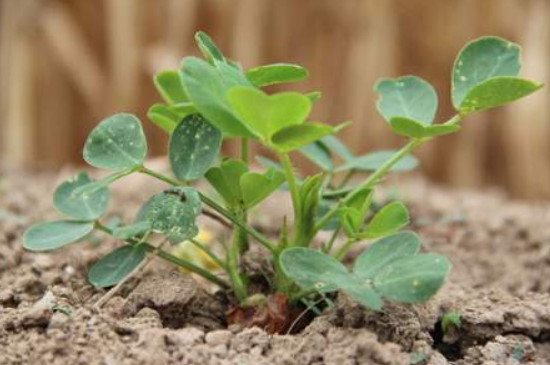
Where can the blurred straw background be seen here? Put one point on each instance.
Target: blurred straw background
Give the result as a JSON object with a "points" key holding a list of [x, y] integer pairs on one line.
{"points": [[66, 64]]}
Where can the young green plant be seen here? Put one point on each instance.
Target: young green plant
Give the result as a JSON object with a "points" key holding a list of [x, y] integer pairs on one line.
{"points": [[213, 100]]}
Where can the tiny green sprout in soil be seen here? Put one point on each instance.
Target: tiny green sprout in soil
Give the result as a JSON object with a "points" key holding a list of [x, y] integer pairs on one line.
{"points": [[212, 100]]}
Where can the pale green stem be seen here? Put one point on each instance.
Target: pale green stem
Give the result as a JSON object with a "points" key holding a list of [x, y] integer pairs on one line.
{"points": [[209, 253], [295, 194]]}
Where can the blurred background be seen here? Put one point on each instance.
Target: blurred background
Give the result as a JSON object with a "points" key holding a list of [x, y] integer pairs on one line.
{"points": [[66, 64]]}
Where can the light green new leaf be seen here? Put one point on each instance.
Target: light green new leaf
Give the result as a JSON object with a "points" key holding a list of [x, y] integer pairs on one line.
{"points": [[226, 179], [407, 96], [193, 148], [412, 279], [276, 73], [84, 206], [387, 220], [313, 270], [319, 154], [51, 235], [297, 136], [208, 48], [172, 213], [353, 214], [256, 187], [117, 143], [374, 160], [385, 251], [497, 91], [131, 231], [115, 266], [164, 117], [206, 87], [411, 128], [480, 60], [169, 86], [266, 114]]}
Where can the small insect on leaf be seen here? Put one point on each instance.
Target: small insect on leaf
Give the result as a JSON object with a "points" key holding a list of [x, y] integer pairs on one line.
{"points": [[387, 220], [51, 235], [81, 206], [117, 143], [193, 148], [116, 265], [172, 213], [276, 73], [170, 87], [412, 279]]}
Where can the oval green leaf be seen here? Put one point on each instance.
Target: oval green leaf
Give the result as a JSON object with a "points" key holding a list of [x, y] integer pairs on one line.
{"points": [[297, 136], [226, 180], [407, 96], [115, 266], [374, 160], [387, 220], [51, 235], [385, 251], [276, 73], [85, 207], [413, 279], [256, 187], [118, 142], [480, 60], [172, 213], [193, 148], [170, 87], [495, 92], [313, 270]]}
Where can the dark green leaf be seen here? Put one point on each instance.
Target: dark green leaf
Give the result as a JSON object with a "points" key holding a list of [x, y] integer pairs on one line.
{"points": [[169, 86], [497, 91], [297, 136], [412, 279], [385, 251], [480, 60], [115, 266], [276, 73], [362, 292], [374, 160], [116, 143], [193, 148], [51, 235], [387, 220], [172, 213], [407, 96], [266, 114], [256, 187], [83, 206]]}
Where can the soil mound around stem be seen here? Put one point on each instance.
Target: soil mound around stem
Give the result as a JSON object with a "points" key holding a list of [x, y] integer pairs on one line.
{"points": [[499, 285]]}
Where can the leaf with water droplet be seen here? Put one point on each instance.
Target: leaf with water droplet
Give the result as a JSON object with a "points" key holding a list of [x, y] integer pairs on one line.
{"points": [[172, 213], [47, 236], [82, 206], [194, 146], [116, 265], [276, 73], [117, 143]]}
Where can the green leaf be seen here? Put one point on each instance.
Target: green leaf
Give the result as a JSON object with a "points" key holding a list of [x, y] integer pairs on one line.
{"points": [[313, 270], [164, 117], [319, 154], [338, 147], [354, 213], [131, 231], [116, 143], [172, 213], [95, 186], [363, 292], [389, 219], [407, 96], [226, 179], [115, 266], [208, 48], [169, 86], [193, 148], [497, 91], [256, 187], [51, 235], [411, 128], [82, 207], [385, 251], [276, 73], [314, 96], [412, 279], [480, 60], [374, 160], [297, 136], [266, 114], [206, 87]]}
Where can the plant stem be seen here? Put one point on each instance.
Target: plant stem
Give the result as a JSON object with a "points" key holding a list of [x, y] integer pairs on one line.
{"points": [[346, 179], [295, 194], [330, 244], [209, 253], [171, 258], [224, 212], [245, 150], [239, 285], [345, 248]]}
